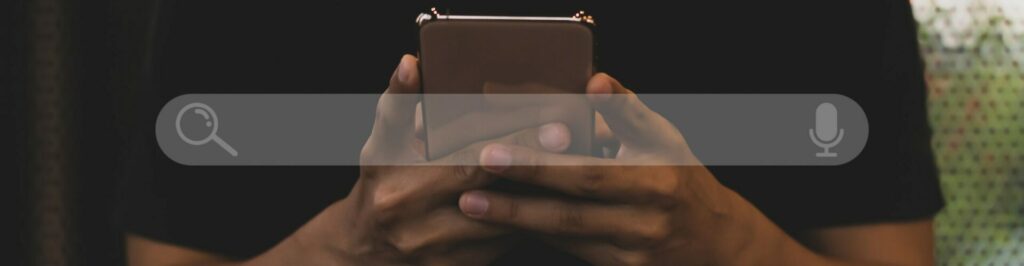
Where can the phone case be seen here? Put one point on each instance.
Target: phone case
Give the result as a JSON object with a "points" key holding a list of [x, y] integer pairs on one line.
{"points": [[467, 62]]}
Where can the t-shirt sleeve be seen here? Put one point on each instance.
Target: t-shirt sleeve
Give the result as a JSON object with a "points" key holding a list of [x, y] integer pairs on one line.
{"points": [[893, 179], [903, 71]]}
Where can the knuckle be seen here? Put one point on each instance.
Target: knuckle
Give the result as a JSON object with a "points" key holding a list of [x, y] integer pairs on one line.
{"points": [[650, 231], [465, 174], [593, 182], [409, 243], [511, 211], [464, 171], [402, 244], [569, 219], [385, 206], [596, 179], [464, 166], [663, 189], [399, 242], [384, 218], [475, 176], [656, 187], [367, 153], [653, 232]]}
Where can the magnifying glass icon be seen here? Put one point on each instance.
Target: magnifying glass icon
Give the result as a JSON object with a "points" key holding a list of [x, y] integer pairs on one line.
{"points": [[211, 122]]}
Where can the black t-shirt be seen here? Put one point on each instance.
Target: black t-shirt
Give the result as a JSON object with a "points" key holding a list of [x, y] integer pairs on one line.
{"points": [[864, 50]]}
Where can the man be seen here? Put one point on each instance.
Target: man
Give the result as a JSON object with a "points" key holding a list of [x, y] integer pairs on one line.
{"points": [[874, 210]]}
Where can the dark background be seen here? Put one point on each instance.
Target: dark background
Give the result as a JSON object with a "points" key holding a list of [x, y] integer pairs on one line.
{"points": [[99, 53], [108, 48]]}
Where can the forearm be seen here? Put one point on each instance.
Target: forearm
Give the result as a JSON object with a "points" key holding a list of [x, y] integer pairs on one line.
{"points": [[315, 243], [292, 251], [303, 247], [141, 251]]}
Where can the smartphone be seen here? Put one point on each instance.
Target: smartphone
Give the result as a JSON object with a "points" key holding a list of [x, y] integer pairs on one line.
{"points": [[488, 76]]}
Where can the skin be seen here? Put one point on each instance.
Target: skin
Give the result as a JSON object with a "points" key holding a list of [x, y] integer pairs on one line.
{"points": [[622, 212], [639, 211]]}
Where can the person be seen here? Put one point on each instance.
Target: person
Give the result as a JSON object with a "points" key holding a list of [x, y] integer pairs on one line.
{"points": [[875, 210]]}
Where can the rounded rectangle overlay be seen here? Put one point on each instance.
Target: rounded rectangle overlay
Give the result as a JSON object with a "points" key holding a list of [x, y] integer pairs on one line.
{"points": [[332, 129]]}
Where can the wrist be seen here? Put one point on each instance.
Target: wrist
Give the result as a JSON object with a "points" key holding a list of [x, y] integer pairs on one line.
{"points": [[763, 242], [315, 243], [329, 238], [750, 239]]}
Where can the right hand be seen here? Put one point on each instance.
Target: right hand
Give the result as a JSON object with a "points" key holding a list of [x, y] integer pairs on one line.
{"points": [[409, 213]]}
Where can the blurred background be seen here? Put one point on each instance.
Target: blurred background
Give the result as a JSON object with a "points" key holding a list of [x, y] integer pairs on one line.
{"points": [[973, 52]]}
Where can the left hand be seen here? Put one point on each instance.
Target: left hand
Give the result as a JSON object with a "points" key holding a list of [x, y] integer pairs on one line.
{"points": [[651, 204]]}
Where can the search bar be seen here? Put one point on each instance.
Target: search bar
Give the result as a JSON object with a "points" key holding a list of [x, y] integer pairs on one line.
{"points": [[330, 129]]}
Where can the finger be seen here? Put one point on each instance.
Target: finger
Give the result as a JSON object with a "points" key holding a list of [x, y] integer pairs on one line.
{"points": [[421, 133], [485, 125], [434, 181], [629, 118], [622, 223], [440, 228], [551, 137], [581, 175], [410, 190], [397, 106], [418, 116], [394, 124], [604, 137]]}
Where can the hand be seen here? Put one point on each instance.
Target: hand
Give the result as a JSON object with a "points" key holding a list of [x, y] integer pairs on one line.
{"points": [[405, 211], [458, 120], [651, 204]]}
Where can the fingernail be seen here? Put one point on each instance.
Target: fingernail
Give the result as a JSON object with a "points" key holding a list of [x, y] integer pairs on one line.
{"points": [[496, 157], [404, 70], [474, 204], [554, 137]]}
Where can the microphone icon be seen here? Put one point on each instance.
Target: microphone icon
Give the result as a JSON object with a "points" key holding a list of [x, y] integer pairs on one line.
{"points": [[826, 128]]}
